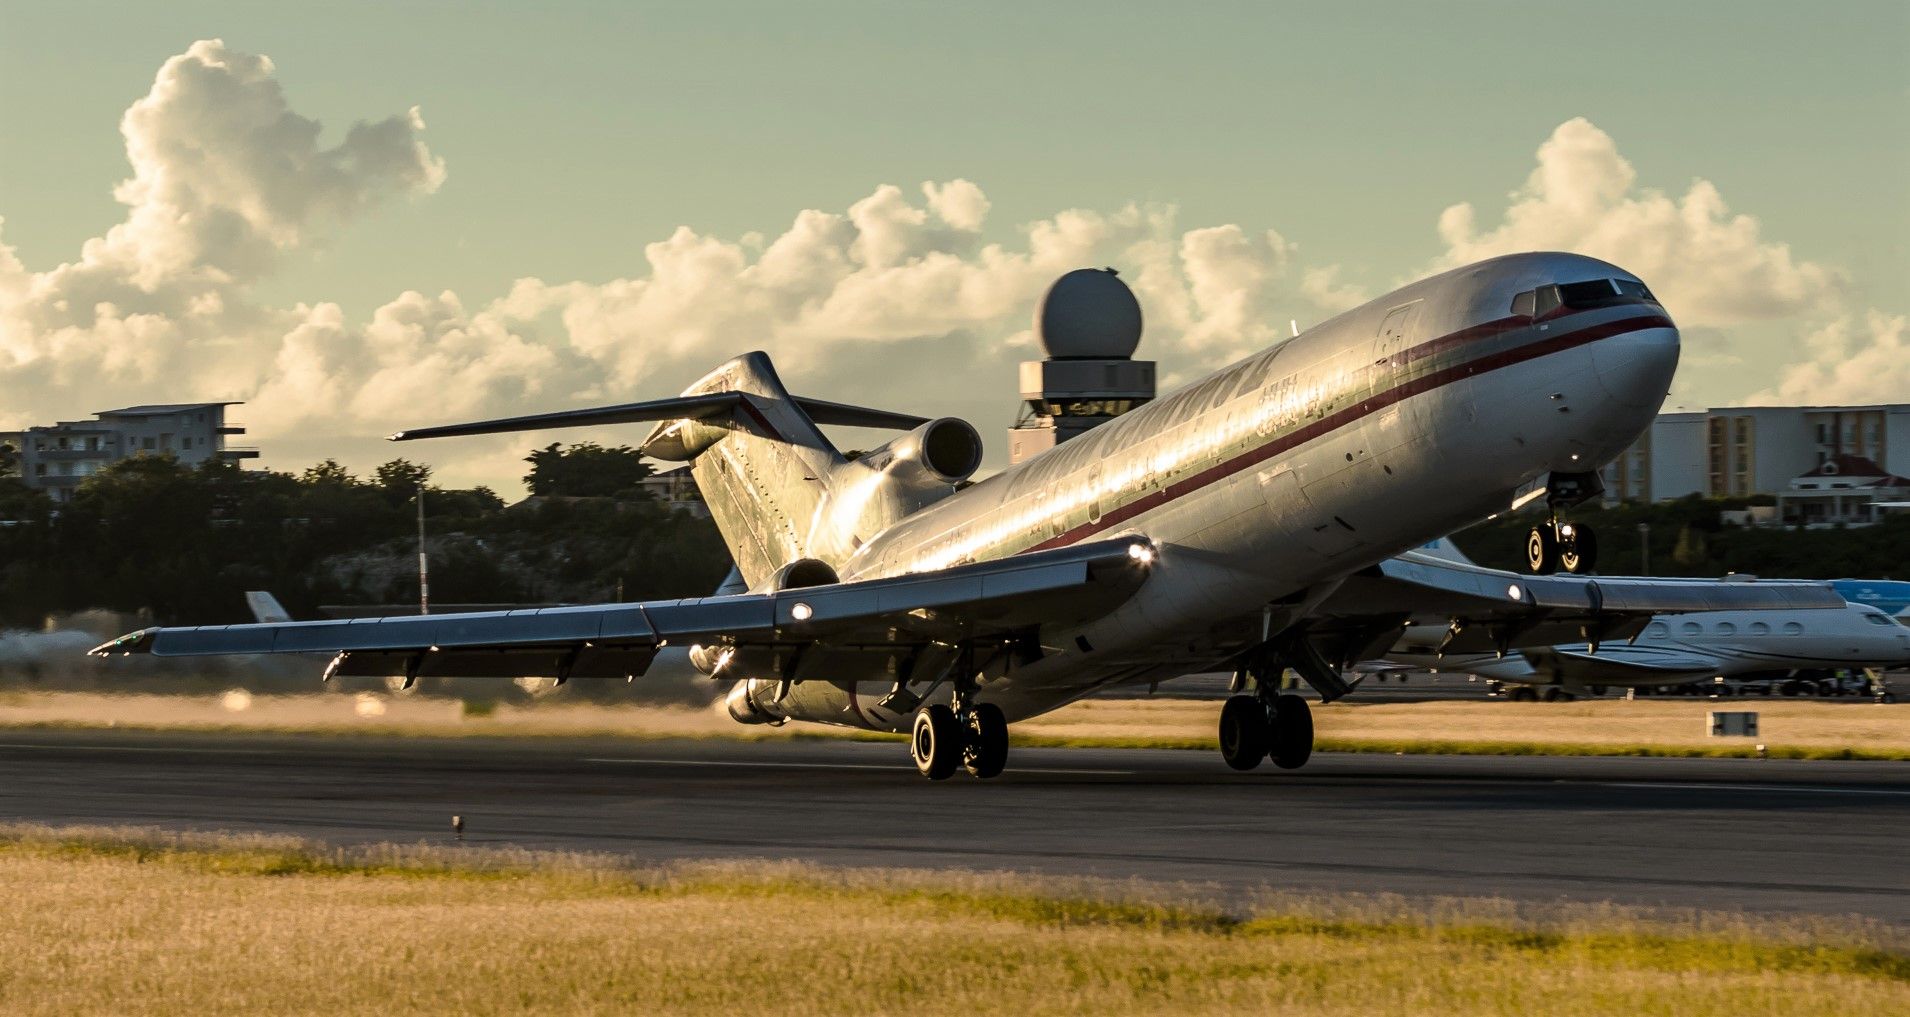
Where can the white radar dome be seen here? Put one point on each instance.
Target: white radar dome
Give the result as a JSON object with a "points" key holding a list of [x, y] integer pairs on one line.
{"points": [[1089, 314]]}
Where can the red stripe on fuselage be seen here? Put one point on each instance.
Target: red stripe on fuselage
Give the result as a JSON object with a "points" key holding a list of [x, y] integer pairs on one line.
{"points": [[1328, 424]]}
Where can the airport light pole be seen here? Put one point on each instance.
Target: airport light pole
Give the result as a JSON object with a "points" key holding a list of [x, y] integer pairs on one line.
{"points": [[1644, 549], [424, 564]]}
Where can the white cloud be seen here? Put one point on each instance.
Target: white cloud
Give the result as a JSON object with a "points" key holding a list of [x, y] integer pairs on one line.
{"points": [[887, 301], [884, 301], [1712, 267], [1852, 362]]}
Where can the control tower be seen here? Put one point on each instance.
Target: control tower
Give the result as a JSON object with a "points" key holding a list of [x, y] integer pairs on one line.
{"points": [[1089, 324]]}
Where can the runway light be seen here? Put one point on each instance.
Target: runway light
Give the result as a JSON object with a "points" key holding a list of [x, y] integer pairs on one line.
{"points": [[801, 611], [1141, 553]]}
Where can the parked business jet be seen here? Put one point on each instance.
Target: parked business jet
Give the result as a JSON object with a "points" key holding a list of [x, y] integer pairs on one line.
{"points": [[1693, 647], [1243, 523]]}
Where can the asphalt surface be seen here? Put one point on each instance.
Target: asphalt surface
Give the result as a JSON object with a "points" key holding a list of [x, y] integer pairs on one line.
{"points": [[1770, 835]]}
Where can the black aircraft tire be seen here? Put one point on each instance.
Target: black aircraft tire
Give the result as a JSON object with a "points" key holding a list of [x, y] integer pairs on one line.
{"points": [[1542, 550], [1578, 554], [936, 743], [984, 741], [1292, 729], [1523, 694], [1244, 732]]}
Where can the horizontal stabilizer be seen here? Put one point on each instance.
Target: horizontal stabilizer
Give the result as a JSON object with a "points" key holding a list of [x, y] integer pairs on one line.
{"points": [[694, 407]]}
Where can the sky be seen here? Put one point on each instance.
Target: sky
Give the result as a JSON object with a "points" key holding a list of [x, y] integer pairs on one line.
{"points": [[361, 217]]}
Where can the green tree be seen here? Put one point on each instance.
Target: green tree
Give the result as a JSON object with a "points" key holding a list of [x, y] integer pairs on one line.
{"points": [[9, 459], [399, 480], [586, 470], [328, 472]]}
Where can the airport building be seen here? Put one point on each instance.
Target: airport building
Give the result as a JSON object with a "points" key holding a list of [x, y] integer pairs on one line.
{"points": [[55, 458], [1824, 464]]}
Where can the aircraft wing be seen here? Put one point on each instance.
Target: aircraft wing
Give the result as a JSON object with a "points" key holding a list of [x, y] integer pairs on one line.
{"points": [[1492, 610], [998, 599], [1636, 663]]}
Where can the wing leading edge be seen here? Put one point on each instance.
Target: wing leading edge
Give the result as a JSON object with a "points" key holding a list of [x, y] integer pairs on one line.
{"points": [[986, 600]]}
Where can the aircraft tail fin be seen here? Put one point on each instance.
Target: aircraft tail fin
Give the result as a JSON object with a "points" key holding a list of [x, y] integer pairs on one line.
{"points": [[1444, 548], [764, 469], [266, 608]]}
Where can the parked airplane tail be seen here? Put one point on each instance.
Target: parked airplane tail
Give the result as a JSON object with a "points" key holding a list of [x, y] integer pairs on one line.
{"points": [[266, 608], [781, 493]]}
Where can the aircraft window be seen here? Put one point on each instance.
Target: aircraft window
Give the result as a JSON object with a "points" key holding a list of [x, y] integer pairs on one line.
{"points": [[1793, 629], [1658, 630], [1877, 619], [1548, 301], [1596, 293], [1690, 628], [1760, 629], [1523, 303], [1727, 629], [1634, 290]]}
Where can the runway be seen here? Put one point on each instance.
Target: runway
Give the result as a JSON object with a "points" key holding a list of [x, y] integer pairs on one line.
{"points": [[1772, 835]]}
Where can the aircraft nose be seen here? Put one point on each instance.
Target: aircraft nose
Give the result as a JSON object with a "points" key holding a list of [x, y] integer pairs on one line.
{"points": [[1635, 368]]}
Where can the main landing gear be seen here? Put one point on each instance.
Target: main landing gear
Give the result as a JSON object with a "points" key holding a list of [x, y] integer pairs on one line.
{"points": [[1266, 726], [975, 739]]}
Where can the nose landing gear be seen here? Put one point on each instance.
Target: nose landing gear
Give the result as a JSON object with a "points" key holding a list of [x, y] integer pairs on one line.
{"points": [[1553, 546]]}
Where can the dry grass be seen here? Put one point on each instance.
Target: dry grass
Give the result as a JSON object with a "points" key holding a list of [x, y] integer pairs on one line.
{"points": [[135, 922], [1614, 726], [1790, 728]]}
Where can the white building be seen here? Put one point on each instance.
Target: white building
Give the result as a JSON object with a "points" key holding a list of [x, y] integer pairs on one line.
{"points": [[57, 457], [1747, 450]]}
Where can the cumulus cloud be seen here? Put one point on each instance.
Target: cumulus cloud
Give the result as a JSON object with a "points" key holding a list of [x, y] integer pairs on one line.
{"points": [[1711, 266], [883, 301], [1854, 360], [891, 296]]}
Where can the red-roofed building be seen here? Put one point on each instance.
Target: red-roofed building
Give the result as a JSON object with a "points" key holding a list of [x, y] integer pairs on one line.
{"points": [[1843, 489]]}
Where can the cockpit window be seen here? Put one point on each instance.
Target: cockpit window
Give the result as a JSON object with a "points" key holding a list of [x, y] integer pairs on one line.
{"points": [[1580, 296], [1634, 290], [1877, 619]]}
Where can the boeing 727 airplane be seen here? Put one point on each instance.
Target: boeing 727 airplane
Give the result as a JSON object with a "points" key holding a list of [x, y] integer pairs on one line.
{"points": [[1241, 523]]}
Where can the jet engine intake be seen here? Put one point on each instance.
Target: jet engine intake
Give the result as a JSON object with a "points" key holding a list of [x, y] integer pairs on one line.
{"points": [[803, 572], [947, 450], [744, 709]]}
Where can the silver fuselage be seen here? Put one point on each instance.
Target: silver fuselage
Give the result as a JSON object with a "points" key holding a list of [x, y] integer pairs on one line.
{"points": [[1265, 483]]}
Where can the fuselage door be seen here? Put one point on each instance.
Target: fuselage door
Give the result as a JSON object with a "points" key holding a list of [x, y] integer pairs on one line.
{"points": [[1396, 332]]}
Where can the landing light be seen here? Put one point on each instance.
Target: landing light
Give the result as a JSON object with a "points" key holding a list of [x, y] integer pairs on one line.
{"points": [[1515, 593], [1141, 553], [801, 611]]}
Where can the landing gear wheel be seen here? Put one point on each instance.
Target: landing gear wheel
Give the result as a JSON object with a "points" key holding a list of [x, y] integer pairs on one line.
{"points": [[1292, 730], [1542, 550], [936, 744], [1244, 732], [984, 741], [1554, 694], [1523, 694], [1578, 549]]}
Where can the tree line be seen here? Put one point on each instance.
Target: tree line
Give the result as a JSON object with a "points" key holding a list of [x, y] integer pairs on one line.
{"points": [[149, 533]]}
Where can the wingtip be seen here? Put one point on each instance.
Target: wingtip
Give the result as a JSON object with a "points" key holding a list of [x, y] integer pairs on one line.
{"points": [[132, 642], [396, 436]]}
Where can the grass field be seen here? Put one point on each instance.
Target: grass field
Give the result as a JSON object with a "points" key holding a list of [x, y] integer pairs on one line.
{"points": [[1666, 727], [139, 922]]}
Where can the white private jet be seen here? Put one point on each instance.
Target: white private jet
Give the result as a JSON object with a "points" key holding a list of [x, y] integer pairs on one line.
{"points": [[1243, 523], [1693, 647]]}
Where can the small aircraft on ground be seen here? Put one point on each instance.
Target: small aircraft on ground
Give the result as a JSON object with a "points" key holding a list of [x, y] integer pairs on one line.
{"points": [[1705, 646]]}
